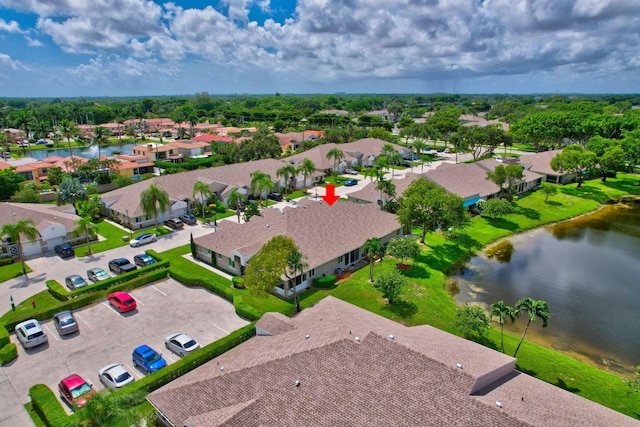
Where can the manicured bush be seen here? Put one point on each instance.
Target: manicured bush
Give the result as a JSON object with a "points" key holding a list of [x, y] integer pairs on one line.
{"points": [[238, 282], [4, 337], [47, 406], [6, 261], [8, 353], [245, 310], [57, 290], [225, 291], [324, 282]]}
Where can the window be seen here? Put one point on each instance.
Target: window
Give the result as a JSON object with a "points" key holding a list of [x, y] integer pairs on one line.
{"points": [[232, 264], [340, 258], [220, 256], [312, 272]]}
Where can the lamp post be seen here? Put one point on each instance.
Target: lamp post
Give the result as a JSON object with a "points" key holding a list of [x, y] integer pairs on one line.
{"points": [[129, 224]]}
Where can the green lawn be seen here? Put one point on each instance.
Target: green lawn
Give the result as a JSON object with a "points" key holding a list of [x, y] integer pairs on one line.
{"points": [[113, 236], [11, 271]]}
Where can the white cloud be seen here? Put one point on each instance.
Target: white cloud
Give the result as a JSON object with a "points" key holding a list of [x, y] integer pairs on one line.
{"points": [[7, 62], [33, 42], [11, 26], [113, 70]]}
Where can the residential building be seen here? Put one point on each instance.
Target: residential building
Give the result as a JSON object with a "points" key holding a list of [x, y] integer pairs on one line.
{"points": [[133, 166], [54, 224], [191, 149], [291, 141], [336, 364], [155, 151], [331, 237], [541, 163]]}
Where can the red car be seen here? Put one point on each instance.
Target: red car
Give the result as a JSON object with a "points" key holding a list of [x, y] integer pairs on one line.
{"points": [[75, 390], [122, 301]]}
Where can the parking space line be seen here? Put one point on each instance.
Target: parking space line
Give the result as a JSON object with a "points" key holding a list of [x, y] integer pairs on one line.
{"points": [[154, 287], [171, 359], [50, 333], [111, 309], [225, 331], [83, 321], [138, 301], [135, 371]]}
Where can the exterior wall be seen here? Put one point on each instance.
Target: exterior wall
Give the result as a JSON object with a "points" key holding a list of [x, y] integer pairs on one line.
{"points": [[219, 261]]}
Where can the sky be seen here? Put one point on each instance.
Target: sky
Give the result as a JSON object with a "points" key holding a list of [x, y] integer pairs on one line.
{"points": [[96, 48]]}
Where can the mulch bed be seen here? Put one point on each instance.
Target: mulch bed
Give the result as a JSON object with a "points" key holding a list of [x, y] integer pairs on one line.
{"points": [[401, 266]]}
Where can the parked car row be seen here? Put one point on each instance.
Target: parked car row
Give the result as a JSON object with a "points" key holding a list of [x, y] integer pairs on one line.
{"points": [[117, 266]]}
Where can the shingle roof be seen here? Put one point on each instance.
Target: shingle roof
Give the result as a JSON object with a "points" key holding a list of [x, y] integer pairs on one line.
{"points": [[408, 380], [540, 162], [322, 232], [43, 215]]}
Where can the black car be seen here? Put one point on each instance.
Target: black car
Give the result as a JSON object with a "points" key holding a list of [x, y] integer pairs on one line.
{"points": [[143, 260], [121, 265], [174, 223], [64, 250], [275, 196]]}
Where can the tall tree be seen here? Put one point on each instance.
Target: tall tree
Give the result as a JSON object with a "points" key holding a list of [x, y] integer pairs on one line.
{"points": [[85, 225], [152, 199], [403, 248], [9, 183], [430, 206], [24, 227], [337, 155], [502, 312], [287, 173], [236, 199], [372, 248], [68, 130], [472, 319], [576, 160], [71, 191], [296, 265], [100, 136], [306, 168], [548, 190], [506, 177], [265, 270], [534, 309], [261, 183], [204, 191], [391, 283]]}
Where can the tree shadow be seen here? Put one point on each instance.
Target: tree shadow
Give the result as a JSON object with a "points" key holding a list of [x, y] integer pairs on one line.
{"points": [[586, 192], [562, 384], [415, 272], [553, 203], [627, 185], [528, 212], [504, 224], [482, 341], [526, 371], [404, 309]]}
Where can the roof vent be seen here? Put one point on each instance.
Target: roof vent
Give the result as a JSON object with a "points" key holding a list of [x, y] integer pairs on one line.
{"points": [[358, 339], [459, 365], [391, 337], [222, 368], [297, 383], [307, 336], [498, 404]]}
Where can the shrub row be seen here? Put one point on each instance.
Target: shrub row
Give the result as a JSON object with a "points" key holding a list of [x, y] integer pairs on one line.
{"points": [[224, 291], [11, 319], [245, 310], [324, 282], [4, 337], [6, 261], [47, 406], [60, 293], [8, 353]]}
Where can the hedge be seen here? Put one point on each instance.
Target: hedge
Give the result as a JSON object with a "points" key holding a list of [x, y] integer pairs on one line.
{"points": [[6, 261], [4, 337], [47, 406], [62, 294], [8, 353], [225, 291], [245, 310], [11, 319], [324, 282]]}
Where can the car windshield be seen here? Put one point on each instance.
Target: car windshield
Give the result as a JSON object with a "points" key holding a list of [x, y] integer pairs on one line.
{"points": [[67, 321], [122, 377], [189, 344], [80, 390], [100, 273], [77, 280], [128, 301], [152, 357]]}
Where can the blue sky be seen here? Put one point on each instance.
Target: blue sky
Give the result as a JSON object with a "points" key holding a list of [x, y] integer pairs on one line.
{"points": [[59, 48]]}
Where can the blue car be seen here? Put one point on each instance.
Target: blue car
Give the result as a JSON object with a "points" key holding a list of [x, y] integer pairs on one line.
{"points": [[351, 182], [148, 359]]}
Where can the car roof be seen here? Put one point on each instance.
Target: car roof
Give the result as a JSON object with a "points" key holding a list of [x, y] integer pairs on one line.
{"points": [[29, 324], [96, 270], [63, 314], [63, 245], [119, 294], [181, 338], [73, 381], [119, 260], [115, 369], [143, 349], [143, 235]]}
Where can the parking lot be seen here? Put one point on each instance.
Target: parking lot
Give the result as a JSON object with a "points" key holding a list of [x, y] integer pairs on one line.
{"points": [[106, 336]]}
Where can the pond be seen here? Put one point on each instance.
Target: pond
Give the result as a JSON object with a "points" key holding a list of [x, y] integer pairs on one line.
{"points": [[86, 152], [587, 269]]}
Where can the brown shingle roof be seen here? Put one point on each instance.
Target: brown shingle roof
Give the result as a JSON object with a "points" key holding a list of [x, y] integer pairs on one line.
{"points": [[540, 162], [408, 380]]}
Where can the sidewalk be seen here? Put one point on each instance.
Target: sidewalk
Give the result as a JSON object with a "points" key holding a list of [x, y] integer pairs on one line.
{"points": [[12, 411]]}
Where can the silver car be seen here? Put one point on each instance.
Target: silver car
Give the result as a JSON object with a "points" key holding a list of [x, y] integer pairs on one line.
{"points": [[181, 344], [115, 376], [65, 323], [30, 333], [97, 274], [74, 282]]}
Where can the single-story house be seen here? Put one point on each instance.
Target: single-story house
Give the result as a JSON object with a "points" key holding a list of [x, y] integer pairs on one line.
{"points": [[331, 237], [336, 364], [541, 164], [54, 224]]}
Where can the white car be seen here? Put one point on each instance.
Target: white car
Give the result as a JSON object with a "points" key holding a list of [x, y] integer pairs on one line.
{"points": [[30, 333], [115, 376], [142, 239], [181, 344]]}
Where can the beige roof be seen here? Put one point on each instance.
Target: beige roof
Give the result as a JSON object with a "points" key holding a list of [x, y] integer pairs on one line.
{"points": [[319, 374], [179, 186], [322, 232], [464, 179], [43, 215], [369, 193], [540, 162]]}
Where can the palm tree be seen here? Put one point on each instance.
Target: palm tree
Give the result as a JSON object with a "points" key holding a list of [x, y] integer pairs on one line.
{"points": [[204, 191], [100, 136], [287, 173], [535, 309], [306, 168], [85, 225], [387, 188], [502, 312], [23, 120], [153, 198], [373, 248], [69, 129], [395, 158], [295, 265], [109, 410], [235, 199], [15, 230], [336, 154], [418, 146], [71, 191], [261, 183]]}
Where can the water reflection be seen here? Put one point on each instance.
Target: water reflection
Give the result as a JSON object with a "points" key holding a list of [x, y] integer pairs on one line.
{"points": [[586, 269]]}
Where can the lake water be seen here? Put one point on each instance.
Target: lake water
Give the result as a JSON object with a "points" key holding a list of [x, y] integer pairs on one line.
{"points": [[587, 269], [86, 152]]}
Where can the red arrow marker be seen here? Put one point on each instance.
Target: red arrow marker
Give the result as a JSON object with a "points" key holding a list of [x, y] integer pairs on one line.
{"points": [[330, 197]]}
